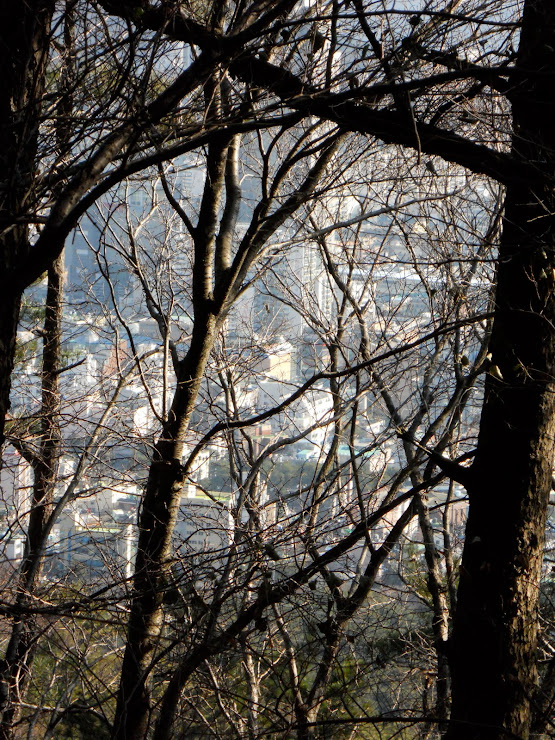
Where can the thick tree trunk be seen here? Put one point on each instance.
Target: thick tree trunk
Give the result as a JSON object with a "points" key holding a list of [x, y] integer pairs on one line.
{"points": [[24, 40], [493, 651]]}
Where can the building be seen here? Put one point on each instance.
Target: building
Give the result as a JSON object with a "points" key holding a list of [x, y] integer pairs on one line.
{"points": [[204, 524]]}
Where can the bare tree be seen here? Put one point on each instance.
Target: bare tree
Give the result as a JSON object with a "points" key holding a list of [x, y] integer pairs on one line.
{"points": [[124, 89], [443, 82], [327, 505], [415, 67]]}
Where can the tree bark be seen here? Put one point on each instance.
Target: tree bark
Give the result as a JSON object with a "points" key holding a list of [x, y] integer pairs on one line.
{"points": [[15, 667], [493, 652], [24, 35], [157, 520]]}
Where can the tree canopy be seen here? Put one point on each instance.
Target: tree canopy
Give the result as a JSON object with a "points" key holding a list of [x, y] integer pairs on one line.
{"points": [[317, 237]]}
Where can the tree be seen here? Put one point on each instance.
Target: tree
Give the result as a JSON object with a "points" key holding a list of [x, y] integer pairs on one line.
{"points": [[439, 82], [220, 611], [494, 670], [127, 100]]}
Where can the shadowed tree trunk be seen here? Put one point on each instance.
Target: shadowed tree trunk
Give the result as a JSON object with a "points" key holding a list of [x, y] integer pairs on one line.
{"points": [[23, 54], [43, 458], [495, 629]]}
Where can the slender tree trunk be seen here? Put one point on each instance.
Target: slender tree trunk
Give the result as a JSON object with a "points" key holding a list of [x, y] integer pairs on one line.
{"points": [[493, 651], [9, 317], [15, 667], [158, 515], [441, 614]]}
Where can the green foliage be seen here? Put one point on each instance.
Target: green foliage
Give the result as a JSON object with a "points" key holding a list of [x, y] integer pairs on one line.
{"points": [[82, 725], [25, 352], [73, 673]]}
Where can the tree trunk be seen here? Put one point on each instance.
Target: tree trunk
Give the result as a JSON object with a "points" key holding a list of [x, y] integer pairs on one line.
{"points": [[24, 40], [494, 640], [15, 667], [158, 514], [9, 317]]}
